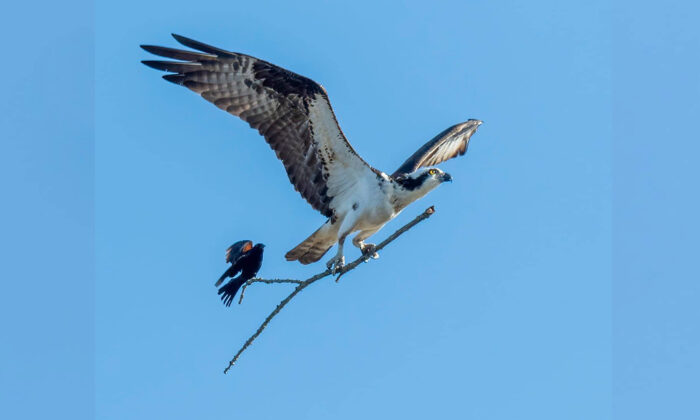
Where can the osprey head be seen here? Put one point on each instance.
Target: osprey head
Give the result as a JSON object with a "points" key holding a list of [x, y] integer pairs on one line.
{"points": [[417, 184], [423, 180]]}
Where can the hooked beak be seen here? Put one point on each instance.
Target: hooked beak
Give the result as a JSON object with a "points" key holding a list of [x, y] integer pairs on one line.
{"points": [[446, 177]]}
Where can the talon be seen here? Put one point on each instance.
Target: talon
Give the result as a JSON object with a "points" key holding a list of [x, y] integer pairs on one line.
{"points": [[335, 264], [368, 250], [337, 267]]}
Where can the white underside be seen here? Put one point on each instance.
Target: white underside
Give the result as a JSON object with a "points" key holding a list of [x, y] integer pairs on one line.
{"points": [[362, 200]]}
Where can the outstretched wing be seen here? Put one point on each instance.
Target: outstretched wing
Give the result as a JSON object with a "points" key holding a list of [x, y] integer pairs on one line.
{"points": [[450, 143], [291, 111]]}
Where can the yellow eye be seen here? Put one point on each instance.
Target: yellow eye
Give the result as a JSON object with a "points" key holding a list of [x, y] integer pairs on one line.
{"points": [[432, 171]]}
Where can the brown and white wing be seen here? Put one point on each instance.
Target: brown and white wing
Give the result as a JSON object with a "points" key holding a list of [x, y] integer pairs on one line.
{"points": [[450, 143], [292, 112]]}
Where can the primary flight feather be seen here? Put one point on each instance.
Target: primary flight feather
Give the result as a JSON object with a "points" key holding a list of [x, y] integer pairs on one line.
{"points": [[296, 119]]}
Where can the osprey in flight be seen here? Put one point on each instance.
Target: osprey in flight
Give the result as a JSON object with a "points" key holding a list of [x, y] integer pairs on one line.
{"points": [[294, 115]]}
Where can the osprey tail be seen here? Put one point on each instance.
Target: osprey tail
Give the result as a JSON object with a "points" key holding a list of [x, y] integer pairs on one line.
{"points": [[313, 247]]}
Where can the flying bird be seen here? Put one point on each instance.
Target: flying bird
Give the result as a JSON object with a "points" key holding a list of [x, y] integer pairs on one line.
{"points": [[245, 259], [295, 117]]}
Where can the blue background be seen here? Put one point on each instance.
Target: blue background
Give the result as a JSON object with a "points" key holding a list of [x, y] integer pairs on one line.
{"points": [[556, 280]]}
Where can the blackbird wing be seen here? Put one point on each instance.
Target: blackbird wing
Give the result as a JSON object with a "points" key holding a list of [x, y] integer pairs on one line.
{"points": [[234, 256], [235, 251]]}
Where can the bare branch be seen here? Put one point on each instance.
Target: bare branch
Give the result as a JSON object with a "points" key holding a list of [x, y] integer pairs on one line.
{"points": [[302, 284], [266, 281]]}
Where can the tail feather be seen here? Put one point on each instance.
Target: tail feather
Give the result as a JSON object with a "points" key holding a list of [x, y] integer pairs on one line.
{"points": [[314, 247], [229, 290]]}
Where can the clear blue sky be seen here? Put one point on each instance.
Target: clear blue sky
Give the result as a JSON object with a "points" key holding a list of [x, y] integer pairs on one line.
{"points": [[556, 280]]}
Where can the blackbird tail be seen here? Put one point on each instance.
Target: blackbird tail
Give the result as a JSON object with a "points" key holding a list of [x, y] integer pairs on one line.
{"points": [[229, 290]]}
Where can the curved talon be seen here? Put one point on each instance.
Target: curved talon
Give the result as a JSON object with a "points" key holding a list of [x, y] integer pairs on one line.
{"points": [[368, 250], [337, 267], [335, 264]]}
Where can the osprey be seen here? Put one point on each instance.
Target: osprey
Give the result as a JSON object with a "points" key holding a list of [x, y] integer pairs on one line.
{"points": [[295, 117]]}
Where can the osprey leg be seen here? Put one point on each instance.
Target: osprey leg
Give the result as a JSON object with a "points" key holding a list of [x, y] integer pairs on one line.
{"points": [[367, 249]]}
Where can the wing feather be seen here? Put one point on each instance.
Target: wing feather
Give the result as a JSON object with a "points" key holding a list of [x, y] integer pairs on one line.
{"points": [[450, 143], [292, 112]]}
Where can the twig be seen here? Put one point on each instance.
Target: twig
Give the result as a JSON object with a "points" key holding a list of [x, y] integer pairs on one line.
{"points": [[303, 284], [266, 281]]}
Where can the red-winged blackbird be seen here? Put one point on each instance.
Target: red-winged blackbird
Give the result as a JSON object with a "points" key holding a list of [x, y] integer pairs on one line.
{"points": [[244, 258]]}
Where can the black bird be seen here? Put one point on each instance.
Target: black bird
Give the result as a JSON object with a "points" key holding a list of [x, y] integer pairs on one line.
{"points": [[244, 258]]}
